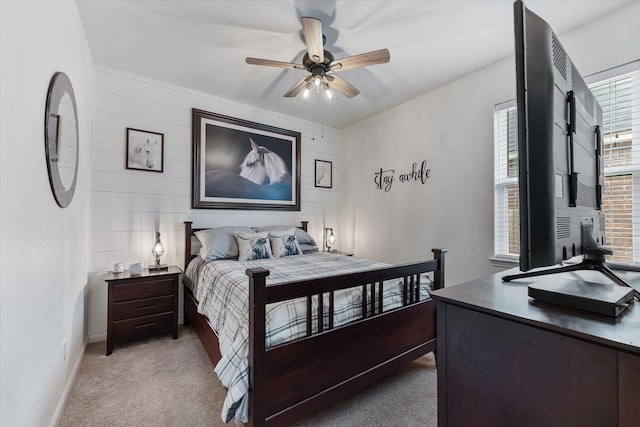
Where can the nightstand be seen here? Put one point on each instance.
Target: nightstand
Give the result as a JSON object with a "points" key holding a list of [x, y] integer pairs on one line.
{"points": [[335, 251], [141, 305]]}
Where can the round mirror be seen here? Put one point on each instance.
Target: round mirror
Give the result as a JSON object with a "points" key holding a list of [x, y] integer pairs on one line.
{"points": [[61, 138]]}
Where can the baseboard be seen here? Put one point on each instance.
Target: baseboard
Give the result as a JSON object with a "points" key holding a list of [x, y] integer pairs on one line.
{"points": [[97, 337], [67, 389]]}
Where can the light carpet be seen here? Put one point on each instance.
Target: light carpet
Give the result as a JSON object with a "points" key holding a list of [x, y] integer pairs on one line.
{"points": [[159, 381]]}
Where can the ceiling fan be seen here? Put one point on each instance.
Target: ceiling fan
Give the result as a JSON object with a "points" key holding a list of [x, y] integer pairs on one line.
{"points": [[321, 64]]}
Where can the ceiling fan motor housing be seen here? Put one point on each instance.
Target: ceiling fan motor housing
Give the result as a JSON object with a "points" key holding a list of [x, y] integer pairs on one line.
{"points": [[310, 65]]}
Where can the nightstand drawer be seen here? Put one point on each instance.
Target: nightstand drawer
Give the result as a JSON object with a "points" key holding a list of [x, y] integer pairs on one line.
{"points": [[154, 287], [143, 325], [142, 307]]}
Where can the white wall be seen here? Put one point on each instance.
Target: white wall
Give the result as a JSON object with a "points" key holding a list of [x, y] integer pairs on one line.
{"points": [[452, 128], [45, 249], [128, 205]]}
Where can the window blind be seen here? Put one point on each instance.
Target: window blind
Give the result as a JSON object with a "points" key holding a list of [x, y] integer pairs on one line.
{"points": [[619, 97], [506, 222]]}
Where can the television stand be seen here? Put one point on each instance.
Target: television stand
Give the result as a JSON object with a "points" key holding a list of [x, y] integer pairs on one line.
{"points": [[501, 358], [589, 262]]}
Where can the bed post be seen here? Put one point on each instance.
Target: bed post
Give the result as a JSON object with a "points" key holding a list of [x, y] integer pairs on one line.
{"points": [[187, 243], [257, 346], [187, 257], [304, 225], [438, 275]]}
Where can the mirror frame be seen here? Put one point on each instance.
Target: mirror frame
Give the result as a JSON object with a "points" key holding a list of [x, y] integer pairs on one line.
{"points": [[58, 87]]}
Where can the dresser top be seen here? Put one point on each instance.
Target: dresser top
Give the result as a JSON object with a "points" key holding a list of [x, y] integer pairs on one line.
{"points": [[510, 300], [172, 269]]}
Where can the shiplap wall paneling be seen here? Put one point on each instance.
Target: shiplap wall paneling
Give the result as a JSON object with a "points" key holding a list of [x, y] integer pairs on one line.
{"points": [[128, 206]]}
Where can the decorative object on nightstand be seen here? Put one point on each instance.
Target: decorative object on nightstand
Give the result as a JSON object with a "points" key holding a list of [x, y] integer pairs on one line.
{"points": [[329, 239], [158, 251], [135, 269], [141, 305]]}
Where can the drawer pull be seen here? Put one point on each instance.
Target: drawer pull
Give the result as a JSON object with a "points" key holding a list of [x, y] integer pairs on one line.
{"points": [[146, 307], [146, 325], [146, 289]]}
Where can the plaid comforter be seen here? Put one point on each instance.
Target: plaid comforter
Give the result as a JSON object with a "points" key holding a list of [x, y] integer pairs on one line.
{"points": [[221, 287]]}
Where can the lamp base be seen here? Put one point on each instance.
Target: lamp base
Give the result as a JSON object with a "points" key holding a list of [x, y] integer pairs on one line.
{"points": [[155, 267]]}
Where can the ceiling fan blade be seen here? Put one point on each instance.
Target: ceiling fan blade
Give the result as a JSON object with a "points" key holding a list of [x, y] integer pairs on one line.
{"points": [[270, 63], [362, 60], [341, 86], [312, 29], [297, 88]]}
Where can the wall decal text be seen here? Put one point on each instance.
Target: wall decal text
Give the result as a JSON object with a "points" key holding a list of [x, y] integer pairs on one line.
{"points": [[384, 177]]}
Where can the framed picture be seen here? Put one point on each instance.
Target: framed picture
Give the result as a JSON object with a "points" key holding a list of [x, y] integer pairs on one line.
{"points": [[239, 164], [145, 150], [324, 174]]}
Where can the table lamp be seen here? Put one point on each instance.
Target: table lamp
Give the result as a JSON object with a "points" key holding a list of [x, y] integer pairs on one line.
{"points": [[158, 251]]}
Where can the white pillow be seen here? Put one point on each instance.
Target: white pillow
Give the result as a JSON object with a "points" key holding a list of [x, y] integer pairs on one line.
{"points": [[253, 246], [284, 243], [219, 243]]}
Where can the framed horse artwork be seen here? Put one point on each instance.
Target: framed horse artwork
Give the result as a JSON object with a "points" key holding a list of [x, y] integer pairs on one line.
{"points": [[238, 164], [145, 150]]}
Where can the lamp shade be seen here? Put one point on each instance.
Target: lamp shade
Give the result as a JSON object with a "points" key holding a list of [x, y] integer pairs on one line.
{"points": [[332, 239], [157, 251], [329, 238]]}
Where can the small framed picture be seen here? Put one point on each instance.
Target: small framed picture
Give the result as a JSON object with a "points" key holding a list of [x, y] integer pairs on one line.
{"points": [[145, 150], [324, 174]]}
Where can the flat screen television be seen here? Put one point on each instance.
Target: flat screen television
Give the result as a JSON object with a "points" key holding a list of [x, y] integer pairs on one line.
{"points": [[560, 156]]}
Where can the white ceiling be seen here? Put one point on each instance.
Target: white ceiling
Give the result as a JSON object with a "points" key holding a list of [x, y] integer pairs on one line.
{"points": [[202, 45]]}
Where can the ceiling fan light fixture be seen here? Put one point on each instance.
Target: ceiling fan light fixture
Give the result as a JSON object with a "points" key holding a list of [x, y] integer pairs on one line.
{"points": [[329, 95], [306, 93]]}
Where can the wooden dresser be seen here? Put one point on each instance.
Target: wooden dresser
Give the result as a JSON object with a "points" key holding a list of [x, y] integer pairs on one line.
{"points": [[142, 305], [505, 359]]}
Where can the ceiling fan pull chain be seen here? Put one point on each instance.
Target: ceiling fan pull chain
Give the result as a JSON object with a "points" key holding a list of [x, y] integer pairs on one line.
{"points": [[322, 123], [313, 118]]}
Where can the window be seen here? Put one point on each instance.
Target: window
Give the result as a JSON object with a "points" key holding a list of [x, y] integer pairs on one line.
{"points": [[506, 220], [619, 97]]}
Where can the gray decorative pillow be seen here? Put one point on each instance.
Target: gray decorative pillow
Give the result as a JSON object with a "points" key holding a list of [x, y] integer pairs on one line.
{"points": [[284, 243], [253, 246], [307, 248], [219, 243], [302, 236]]}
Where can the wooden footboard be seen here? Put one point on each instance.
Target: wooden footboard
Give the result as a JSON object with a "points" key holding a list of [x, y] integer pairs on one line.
{"points": [[295, 379]]}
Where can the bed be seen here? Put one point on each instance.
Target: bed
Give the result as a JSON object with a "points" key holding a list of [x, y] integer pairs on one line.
{"points": [[330, 357]]}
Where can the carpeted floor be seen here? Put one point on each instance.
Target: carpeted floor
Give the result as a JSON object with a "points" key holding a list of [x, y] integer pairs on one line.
{"points": [[164, 382]]}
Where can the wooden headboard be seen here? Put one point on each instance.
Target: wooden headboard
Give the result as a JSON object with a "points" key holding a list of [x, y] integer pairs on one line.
{"points": [[189, 234]]}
